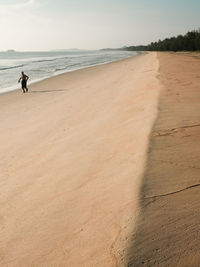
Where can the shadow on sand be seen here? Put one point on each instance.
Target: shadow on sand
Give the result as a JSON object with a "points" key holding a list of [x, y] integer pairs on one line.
{"points": [[168, 232], [46, 91]]}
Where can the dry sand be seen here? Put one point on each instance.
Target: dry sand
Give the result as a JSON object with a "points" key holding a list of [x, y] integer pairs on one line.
{"points": [[168, 229], [72, 157]]}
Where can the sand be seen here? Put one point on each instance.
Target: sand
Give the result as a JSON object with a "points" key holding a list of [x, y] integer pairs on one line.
{"points": [[72, 158], [167, 232]]}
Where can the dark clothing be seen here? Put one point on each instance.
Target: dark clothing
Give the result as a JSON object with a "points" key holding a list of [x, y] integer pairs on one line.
{"points": [[24, 79], [23, 84]]}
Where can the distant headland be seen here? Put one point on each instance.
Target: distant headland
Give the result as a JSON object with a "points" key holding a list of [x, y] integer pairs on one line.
{"points": [[11, 50]]}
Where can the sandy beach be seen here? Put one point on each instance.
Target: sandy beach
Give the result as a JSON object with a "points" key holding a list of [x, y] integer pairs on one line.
{"points": [[73, 153], [100, 167]]}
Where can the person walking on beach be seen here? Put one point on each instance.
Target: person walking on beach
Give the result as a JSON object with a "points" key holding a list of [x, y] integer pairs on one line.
{"points": [[24, 78]]}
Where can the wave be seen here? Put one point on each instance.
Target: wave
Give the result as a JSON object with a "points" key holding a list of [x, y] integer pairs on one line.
{"points": [[58, 69], [44, 60], [59, 58], [68, 66], [52, 59], [12, 67]]}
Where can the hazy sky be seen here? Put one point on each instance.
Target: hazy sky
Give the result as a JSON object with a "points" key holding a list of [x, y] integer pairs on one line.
{"points": [[92, 24]]}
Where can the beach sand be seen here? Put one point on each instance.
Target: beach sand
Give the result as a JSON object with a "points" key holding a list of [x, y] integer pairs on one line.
{"points": [[72, 158], [167, 232]]}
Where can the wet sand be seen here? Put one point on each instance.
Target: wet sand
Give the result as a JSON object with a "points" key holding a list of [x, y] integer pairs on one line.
{"points": [[72, 157], [168, 232]]}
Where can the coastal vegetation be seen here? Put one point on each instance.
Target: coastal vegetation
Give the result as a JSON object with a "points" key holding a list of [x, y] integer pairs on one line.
{"points": [[187, 42]]}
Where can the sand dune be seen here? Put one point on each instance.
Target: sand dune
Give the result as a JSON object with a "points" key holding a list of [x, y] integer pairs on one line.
{"points": [[72, 156]]}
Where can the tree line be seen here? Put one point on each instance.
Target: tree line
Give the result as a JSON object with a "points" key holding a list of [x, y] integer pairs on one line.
{"points": [[188, 42]]}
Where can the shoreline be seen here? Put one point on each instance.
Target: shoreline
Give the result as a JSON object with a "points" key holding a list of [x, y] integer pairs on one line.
{"points": [[73, 152], [15, 88]]}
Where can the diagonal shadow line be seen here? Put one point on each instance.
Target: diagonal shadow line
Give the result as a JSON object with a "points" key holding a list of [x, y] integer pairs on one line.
{"points": [[167, 227], [147, 242]]}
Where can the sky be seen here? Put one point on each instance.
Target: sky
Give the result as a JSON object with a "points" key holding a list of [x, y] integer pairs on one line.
{"points": [[38, 25]]}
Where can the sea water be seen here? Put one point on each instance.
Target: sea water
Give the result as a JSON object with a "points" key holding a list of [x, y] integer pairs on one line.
{"points": [[41, 65]]}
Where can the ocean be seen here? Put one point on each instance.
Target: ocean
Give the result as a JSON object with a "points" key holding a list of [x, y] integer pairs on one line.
{"points": [[41, 65]]}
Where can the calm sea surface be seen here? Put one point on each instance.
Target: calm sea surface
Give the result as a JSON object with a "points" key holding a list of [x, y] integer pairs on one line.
{"points": [[41, 65]]}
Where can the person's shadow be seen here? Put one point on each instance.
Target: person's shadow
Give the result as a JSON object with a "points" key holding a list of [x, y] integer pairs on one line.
{"points": [[47, 91]]}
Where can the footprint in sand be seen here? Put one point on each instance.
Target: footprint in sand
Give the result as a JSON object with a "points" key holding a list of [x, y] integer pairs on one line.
{"points": [[185, 84]]}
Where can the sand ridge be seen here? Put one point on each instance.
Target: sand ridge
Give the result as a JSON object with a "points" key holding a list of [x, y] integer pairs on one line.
{"points": [[168, 226]]}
